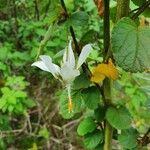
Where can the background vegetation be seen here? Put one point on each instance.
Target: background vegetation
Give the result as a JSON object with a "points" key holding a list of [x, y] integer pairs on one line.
{"points": [[33, 105]]}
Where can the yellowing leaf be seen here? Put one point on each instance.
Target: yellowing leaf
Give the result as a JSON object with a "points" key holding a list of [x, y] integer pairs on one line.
{"points": [[104, 70]]}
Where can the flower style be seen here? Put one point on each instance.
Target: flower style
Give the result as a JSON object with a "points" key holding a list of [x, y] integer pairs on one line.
{"points": [[68, 71]]}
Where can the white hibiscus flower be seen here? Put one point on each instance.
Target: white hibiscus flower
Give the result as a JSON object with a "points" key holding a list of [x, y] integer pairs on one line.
{"points": [[68, 70]]}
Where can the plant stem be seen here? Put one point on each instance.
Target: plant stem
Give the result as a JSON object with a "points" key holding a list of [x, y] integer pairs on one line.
{"points": [[106, 28], [107, 82], [37, 13], [122, 8], [108, 127], [108, 136]]}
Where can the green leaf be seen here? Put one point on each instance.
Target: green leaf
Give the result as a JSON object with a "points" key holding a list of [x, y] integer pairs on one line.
{"points": [[82, 81], [79, 18], [138, 2], [91, 97], [89, 37], [119, 118], [77, 100], [29, 103], [12, 100], [131, 47], [99, 113], [99, 147], [20, 94], [44, 133], [4, 53], [113, 11], [128, 138], [2, 103], [86, 126], [19, 108], [91, 140], [3, 66], [10, 108], [146, 12]]}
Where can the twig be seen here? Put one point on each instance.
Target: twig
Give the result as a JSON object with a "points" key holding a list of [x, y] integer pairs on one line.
{"points": [[36, 10], [64, 7], [29, 123], [141, 9], [106, 28], [15, 131], [145, 137], [74, 40], [72, 122]]}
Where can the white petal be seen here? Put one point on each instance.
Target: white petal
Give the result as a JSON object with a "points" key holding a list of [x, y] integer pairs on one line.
{"points": [[68, 74], [59, 54], [68, 57], [40, 65], [57, 68], [47, 65], [54, 69], [71, 57], [65, 56], [84, 54]]}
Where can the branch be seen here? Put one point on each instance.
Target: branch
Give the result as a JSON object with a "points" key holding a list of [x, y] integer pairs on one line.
{"points": [[106, 28], [141, 9], [37, 14], [64, 7]]}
